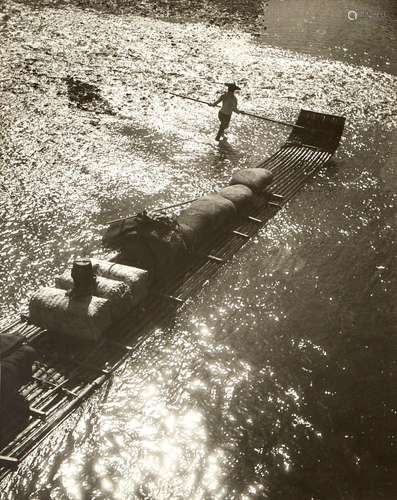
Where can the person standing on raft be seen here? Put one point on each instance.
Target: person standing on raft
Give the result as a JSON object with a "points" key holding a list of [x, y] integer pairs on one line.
{"points": [[229, 104]]}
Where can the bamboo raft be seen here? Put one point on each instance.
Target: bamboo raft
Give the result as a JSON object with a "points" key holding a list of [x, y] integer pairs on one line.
{"points": [[61, 382]]}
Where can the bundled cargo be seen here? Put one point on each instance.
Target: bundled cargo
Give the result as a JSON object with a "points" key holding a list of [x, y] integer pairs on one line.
{"points": [[257, 179], [242, 197], [111, 276], [17, 359], [85, 317], [104, 287], [117, 292], [16, 362], [204, 217], [150, 242], [88, 298]]}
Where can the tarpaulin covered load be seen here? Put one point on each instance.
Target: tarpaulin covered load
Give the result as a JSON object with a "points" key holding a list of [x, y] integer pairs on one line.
{"points": [[84, 317], [242, 197], [256, 179], [204, 217], [150, 242]]}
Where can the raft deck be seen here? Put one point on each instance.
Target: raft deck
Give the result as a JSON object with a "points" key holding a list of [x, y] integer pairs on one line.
{"points": [[68, 373]]}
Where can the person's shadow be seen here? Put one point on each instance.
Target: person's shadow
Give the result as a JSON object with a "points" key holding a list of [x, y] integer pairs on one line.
{"points": [[227, 152]]}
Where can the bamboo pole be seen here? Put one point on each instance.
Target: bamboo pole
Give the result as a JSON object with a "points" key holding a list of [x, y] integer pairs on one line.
{"points": [[280, 122]]}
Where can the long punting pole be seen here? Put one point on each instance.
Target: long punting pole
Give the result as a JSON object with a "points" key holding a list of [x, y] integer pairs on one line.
{"points": [[280, 122]]}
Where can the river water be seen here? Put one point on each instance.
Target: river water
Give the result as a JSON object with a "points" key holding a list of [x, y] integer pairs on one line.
{"points": [[278, 380]]}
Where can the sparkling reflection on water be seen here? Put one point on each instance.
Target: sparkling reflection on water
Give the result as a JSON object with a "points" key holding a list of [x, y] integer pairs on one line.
{"points": [[278, 378]]}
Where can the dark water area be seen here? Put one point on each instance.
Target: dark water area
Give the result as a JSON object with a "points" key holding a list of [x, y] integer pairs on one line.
{"points": [[278, 380]]}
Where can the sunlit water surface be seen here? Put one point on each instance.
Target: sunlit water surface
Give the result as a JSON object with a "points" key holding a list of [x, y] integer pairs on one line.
{"points": [[279, 378]]}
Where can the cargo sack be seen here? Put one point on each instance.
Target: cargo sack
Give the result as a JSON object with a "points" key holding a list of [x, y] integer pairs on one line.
{"points": [[136, 279], [82, 317], [16, 360], [256, 179], [151, 242], [242, 197], [104, 287], [117, 292], [204, 217]]}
